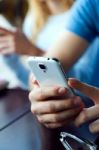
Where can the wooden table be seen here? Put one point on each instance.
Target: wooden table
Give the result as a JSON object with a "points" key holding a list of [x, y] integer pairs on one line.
{"points": [[26, 133], [12, 104]]}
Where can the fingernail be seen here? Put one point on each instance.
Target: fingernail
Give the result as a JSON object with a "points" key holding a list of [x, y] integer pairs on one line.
{"points": [[61, 90]]}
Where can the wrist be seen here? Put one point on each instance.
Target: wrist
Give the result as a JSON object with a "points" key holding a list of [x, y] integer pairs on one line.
{"points": [[34, 50]]}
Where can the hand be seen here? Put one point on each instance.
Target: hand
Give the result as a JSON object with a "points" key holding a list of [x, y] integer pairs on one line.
{"points": [[14, 42], [88, 113], [51, 106]]}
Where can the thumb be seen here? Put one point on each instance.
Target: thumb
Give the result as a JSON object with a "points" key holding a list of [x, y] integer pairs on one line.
{"points": [[90, 91], [33, 82]]}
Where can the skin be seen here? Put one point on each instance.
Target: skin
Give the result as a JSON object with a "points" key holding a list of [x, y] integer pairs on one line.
{"points": [[64, 110], [67, 53], [17, 42], [51, 112], [55, 6], [88, 114], [52, 105]]}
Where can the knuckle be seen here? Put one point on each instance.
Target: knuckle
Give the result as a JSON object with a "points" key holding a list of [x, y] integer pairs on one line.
{"points": [[34, 95], [40, 94]]}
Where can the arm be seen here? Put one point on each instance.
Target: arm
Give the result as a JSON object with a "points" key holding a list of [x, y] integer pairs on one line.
{"points": [[16, 42], [72, 43], [88, 114], [80, 30], [68, 48], [64, 50]]}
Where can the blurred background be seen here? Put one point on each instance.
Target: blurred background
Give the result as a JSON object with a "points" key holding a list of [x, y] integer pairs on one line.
{"points": [[14, 10]]}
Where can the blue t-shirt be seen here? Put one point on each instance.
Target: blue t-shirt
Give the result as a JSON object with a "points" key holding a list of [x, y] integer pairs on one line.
{"points": [[84, 19], [86, 68]]}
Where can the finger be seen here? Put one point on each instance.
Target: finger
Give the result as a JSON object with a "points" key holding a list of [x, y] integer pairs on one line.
{"points": [[59, 117], [40, 94], [5, 31], [33, 82], [7, 47], [59, 124], [3, 46], [86, 89], [6, 50], [4, 38], [94, 127], [87, 114], [53, 106], [7, 44]]}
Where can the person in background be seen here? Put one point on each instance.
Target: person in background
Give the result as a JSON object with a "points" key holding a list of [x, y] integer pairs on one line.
{"points": [[40, 23], [44, 22]]}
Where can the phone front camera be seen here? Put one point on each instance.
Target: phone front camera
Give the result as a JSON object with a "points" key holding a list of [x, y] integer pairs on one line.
{"points": [[42, 66]]}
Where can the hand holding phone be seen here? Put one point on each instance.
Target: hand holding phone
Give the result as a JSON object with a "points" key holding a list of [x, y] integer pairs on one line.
{"points": [[48, 71], [54, 107]]}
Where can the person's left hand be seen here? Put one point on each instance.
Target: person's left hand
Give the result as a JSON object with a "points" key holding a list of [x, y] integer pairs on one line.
{"points": [[91, 113], [14, 41]]}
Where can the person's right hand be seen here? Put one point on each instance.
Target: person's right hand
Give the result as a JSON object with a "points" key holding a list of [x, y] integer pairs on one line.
{"points": [[91, 113], [52, 106], [14, 42]]}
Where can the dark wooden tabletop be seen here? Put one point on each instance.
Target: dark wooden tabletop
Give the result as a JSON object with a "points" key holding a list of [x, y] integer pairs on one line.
{"points": [[23, 134], [26, 133]]}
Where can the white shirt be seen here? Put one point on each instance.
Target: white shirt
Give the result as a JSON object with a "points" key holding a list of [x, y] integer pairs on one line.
{"points": [[49, 33]]}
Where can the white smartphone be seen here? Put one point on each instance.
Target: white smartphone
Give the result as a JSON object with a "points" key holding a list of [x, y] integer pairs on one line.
{"points": [[48, 71]]}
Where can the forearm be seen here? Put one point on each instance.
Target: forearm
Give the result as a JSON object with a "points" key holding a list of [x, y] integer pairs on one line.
{"points": [[34, 51], [68, 48]]}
